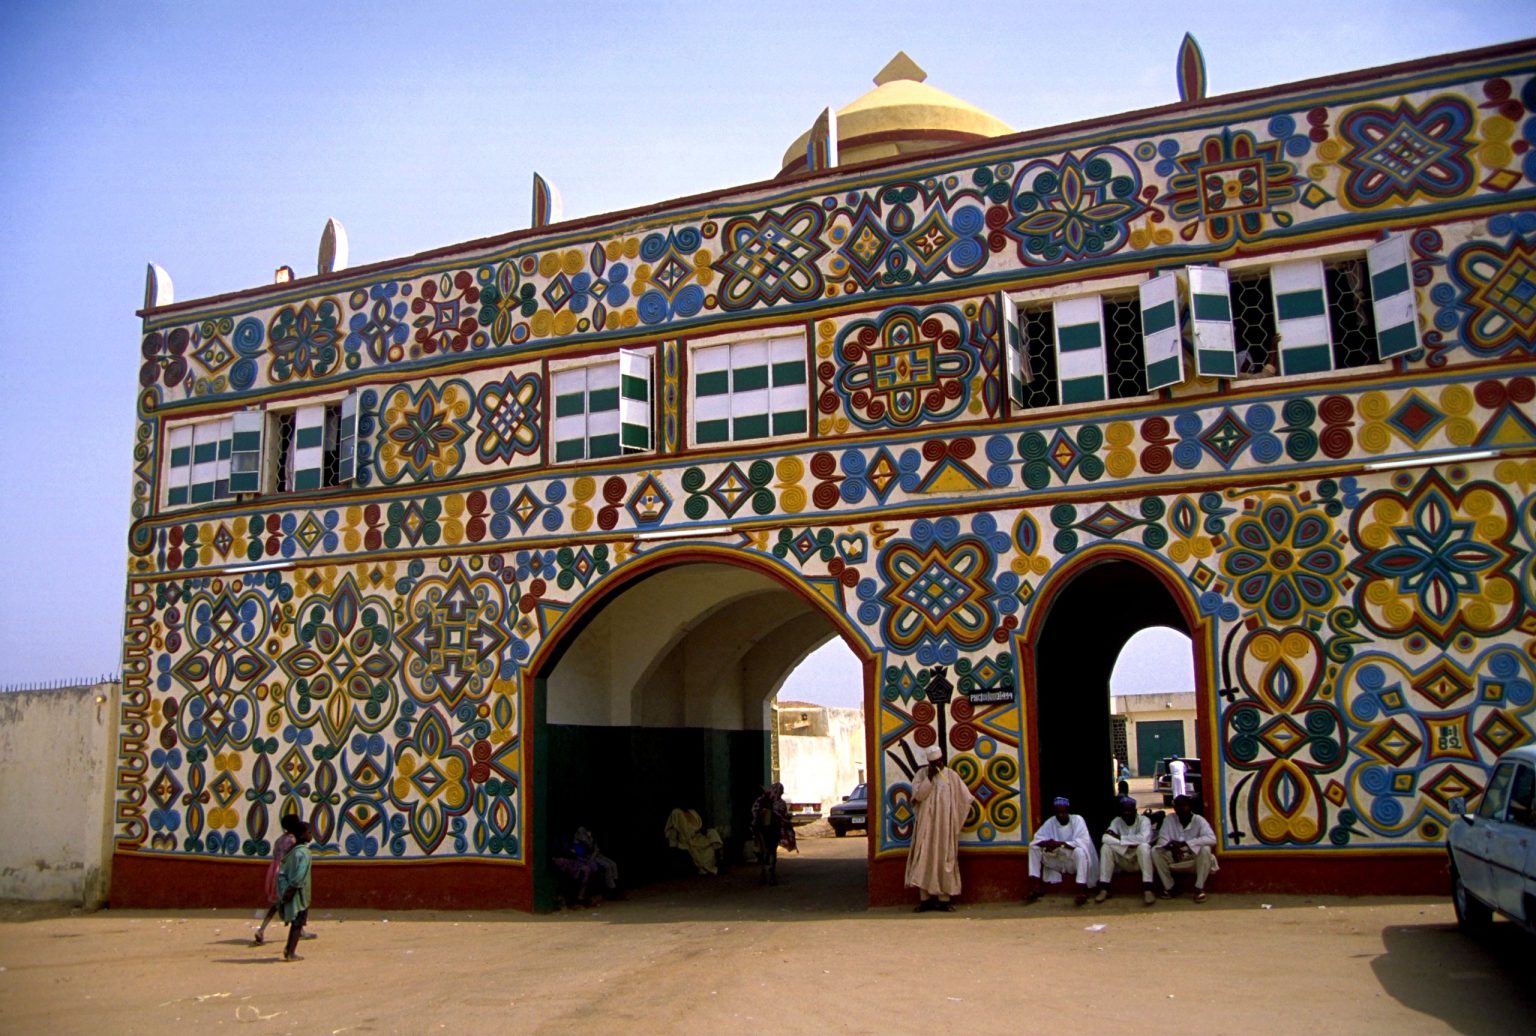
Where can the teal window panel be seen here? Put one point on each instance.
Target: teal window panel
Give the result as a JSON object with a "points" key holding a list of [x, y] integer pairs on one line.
{"points": [[749, 378], [713, 431], [789, 422], [713, 383], [751, 426]]}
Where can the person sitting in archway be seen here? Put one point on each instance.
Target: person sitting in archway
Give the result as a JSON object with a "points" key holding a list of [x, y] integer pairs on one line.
{"points": [[1127, 847], [1062, 845], [685, 830], [1185, 843]]}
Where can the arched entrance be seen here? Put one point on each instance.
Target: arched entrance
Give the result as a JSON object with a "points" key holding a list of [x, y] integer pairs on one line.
{"points": [[658, 695], [1089, 613]]}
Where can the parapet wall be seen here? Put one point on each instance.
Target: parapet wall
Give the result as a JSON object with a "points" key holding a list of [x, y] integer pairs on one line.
{"points": [[54, 752]]}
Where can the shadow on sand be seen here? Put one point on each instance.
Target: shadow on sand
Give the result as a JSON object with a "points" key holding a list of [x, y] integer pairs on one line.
{"points": [[1479, 984]]}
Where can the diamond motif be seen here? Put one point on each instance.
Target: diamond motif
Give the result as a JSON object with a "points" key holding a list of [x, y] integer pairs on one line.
{"points": [[525, 509], [1415, 418], [937, 591], [1392, 742], [1063, 454], [215, 355], [558, 292], [1226, 438], [427, 777], [225, 788], [730, 489], [1404, 152], [1108, 522], [1283, 736], [1449, 784], [1444, 684], [164, 788], [309, 533], [295, 766], [1501, 733]]}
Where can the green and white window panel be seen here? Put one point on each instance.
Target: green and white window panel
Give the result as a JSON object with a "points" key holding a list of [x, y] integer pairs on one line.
{"points": [[604, 409], [1081, 368], [1015, 350], [1162, 344], [198, 468], [247, 441], [306, 456], [1393, 302], [346, 446], [750, 389], [1301, 317], [1210, 322]]}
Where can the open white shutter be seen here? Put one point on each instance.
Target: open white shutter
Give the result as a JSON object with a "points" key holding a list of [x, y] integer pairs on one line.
{"points": [[1393, 302], [1161, 343]]}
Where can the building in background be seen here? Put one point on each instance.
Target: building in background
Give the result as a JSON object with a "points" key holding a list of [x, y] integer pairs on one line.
{"points": [[452, 552], [1156, 726], [818, 752]]}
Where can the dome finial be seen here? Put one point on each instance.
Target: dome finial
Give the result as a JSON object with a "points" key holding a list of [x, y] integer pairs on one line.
{"points": [[900, 67]]}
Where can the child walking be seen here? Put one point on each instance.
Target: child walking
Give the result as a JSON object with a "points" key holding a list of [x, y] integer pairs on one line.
{"points": [[286, 841], [293, 889]]}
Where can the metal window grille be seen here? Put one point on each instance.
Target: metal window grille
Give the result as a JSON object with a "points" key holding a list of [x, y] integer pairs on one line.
{"points": [[331, 464], [1349, 313], [1040, 354], [1253, 324], [284, 440], [1127, 361]]}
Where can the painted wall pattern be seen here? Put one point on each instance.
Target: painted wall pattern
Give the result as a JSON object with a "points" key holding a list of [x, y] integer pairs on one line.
{"points": [[1371, 633]]}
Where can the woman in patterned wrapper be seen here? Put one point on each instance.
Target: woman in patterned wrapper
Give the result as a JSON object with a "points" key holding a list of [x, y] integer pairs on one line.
{"points": [[286, 841]]}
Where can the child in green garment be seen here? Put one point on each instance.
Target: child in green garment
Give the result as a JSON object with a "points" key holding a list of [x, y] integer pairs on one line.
{"points": [[293, 888]]}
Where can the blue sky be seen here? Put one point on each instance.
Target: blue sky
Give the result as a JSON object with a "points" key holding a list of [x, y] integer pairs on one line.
{"points": [[216, 138]]}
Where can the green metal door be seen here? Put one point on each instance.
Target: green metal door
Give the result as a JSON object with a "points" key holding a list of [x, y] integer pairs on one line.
{"points": [[1157, 739]]}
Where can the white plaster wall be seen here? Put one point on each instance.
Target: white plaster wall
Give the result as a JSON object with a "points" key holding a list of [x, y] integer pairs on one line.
{"points": [[824, 768], [54, 833]]}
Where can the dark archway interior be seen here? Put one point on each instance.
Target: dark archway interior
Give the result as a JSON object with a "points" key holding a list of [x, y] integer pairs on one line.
{"points": [[1089, 623], [657, 699]]}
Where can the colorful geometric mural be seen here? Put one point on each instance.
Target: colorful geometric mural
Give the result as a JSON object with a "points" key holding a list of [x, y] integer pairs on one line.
{"points": [[361, 654]]}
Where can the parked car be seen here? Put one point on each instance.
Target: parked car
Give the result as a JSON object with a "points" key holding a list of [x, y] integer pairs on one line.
{"points": [[1493, 850], [850, 813], [1162, 780]]}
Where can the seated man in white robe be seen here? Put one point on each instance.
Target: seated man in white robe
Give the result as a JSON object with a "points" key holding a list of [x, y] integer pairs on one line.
{"points": [[1184, 843], [1127, 847], [1062, 845]]}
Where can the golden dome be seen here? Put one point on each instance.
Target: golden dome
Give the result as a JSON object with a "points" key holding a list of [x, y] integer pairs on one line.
{"points": [[902, 115]]}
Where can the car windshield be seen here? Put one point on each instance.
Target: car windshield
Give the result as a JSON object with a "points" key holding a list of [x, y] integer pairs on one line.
{"points": [[857, 793]]}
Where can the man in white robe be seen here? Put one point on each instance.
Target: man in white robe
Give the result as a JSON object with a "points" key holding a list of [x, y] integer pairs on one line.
{"points": [[942, 802], [1185, 843], [1127, 847], [1178, 777], [1062, 845]]}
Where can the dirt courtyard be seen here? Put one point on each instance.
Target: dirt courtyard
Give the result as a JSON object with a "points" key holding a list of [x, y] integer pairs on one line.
{"points": [[725, 955]]}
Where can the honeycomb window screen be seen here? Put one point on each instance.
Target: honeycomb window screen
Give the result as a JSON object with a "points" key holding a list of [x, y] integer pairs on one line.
{"points": [[330, 456], [1350, 318], [283, 427], [1040, 353], [1253, 324], [1123, 342]]}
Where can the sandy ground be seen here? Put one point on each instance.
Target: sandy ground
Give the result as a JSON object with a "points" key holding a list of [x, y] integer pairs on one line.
{"points": [[726, 955]]}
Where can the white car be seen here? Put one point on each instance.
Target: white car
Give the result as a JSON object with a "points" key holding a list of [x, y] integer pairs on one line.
{"points": [[1493, 851]]}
